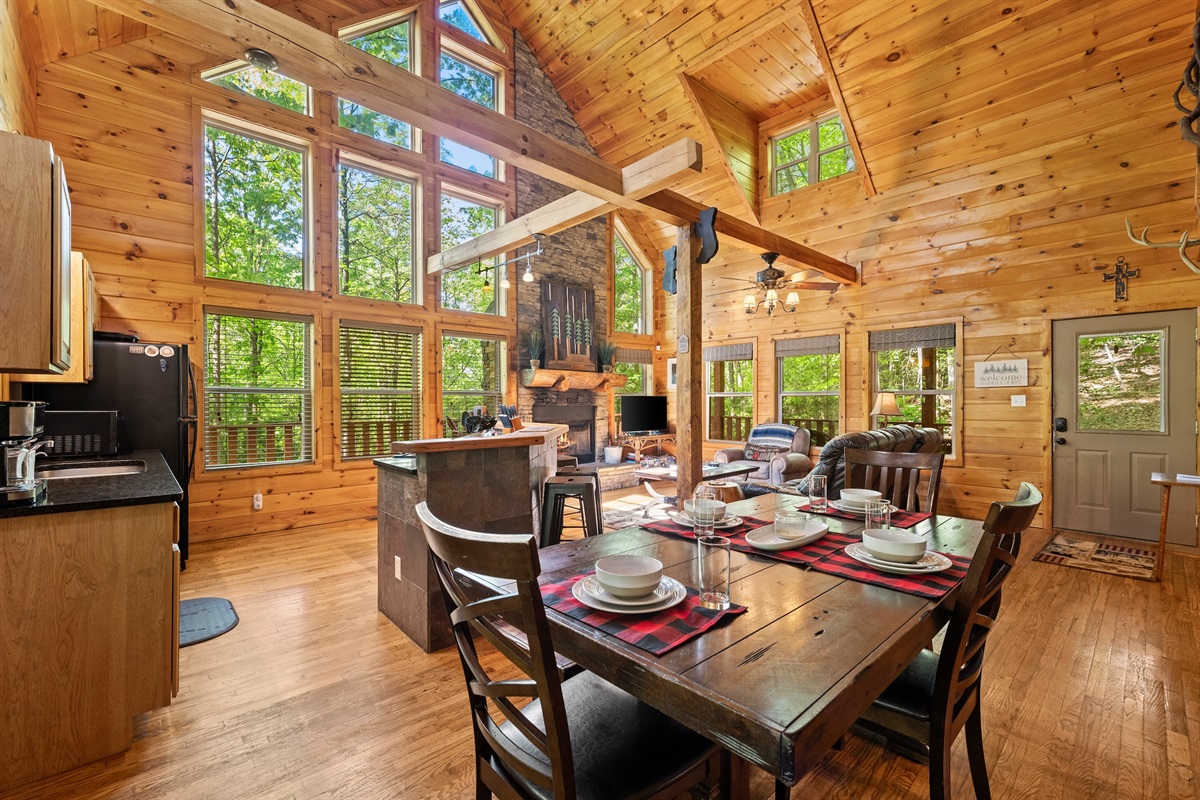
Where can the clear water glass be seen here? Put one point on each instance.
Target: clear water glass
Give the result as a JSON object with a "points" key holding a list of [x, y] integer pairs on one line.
{"points": [[704, 507], [817, 494], [878, 515], [712, 571]]}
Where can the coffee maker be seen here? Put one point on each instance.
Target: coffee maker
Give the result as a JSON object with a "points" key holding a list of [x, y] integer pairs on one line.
{"points": [[22, 423]]}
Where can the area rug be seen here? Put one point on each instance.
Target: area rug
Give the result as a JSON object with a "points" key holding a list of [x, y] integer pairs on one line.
{"points": [[1130, 562], [205, 618]]}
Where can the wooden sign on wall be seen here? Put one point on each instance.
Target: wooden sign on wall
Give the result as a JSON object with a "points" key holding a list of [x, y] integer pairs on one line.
{"points": [[1002, 372], [569, 325]]}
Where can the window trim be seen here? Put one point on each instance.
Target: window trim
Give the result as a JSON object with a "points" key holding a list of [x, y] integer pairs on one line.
{"points": [[814, 153], [955, 457], [620, 230], [340, 322], [780, 394]]}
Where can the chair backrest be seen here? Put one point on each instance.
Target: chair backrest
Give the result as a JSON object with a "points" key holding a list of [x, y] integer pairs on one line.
{"points": [[956, 689], [898, 476], [895, 438], [509, 558]]}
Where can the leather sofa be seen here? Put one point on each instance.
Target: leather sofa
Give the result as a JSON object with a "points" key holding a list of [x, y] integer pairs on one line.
{"points": [[832, 463], [785, 465]]}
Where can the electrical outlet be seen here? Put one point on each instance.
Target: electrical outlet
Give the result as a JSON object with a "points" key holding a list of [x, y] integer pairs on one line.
{"points": [[397, 567], [1017, 400], [257, 501]]}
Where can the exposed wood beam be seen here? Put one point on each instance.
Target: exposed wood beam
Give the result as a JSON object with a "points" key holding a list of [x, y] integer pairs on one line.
{"points": [[725, 123], [679, 210], [689, 394], [835, 90], [653, 173], [227, 28]]}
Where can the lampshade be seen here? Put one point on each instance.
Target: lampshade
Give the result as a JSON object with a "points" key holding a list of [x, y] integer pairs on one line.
{"points": [[885, 405], [793, 299]]}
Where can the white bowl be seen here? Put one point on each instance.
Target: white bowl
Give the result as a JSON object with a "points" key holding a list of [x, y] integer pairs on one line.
{"points": [[892, 545], [859, 497], [716, 507], [629, 576]]}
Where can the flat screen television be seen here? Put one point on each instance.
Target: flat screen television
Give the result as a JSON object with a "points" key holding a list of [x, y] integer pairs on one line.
{"points": [[642, 413]]}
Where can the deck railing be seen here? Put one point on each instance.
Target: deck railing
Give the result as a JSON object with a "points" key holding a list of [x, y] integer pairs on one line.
{"points": [[260, 443]]}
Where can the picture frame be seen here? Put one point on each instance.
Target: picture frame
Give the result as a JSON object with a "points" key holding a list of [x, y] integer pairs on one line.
{"points": [[569, 325], [672, 374]]}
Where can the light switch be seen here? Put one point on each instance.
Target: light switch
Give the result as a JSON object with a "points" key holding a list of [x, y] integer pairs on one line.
{"points": [[1017, 400]]}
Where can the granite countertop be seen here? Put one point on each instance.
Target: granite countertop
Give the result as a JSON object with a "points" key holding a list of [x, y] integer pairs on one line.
{"points": [[537, 433], [406, 464], [156, 485]]}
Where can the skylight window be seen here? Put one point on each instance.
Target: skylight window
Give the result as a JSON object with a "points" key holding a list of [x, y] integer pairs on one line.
{"points": [[457, 15]]}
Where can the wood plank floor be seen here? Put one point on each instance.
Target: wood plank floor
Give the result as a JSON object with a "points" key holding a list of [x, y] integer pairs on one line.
{"points": [[1092, 691]]}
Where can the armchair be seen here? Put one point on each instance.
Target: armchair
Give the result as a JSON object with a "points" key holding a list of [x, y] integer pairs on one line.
{"points": [[780, 450]]}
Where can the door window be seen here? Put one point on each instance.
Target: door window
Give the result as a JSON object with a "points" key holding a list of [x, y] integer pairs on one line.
{"points": [[1121, 382]]}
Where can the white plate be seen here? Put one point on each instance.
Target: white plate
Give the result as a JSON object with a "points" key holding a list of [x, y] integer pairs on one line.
{"points": [[765, 538], [677, 592], [686, 521], [858, 511], [596, 589], [929, 563]]}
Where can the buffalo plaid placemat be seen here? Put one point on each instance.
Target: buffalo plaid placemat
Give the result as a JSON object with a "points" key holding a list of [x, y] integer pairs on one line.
{"points": [[667, 526], [900, 519], [805, 554], [658, 632], [933, 585]]}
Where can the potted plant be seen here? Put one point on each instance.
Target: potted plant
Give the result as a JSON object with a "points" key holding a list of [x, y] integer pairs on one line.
{"points": [[606, 352], [537, 346]]}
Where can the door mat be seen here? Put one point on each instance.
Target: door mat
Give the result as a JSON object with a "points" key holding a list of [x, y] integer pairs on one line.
{"points": [[205, 618], [1130, 562]]}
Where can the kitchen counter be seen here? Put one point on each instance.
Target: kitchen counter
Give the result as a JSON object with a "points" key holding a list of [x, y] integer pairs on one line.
{"points": [[155, 485]]}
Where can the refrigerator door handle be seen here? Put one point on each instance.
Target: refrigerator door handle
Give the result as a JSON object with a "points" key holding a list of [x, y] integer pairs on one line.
{"points": [[192, 420]]}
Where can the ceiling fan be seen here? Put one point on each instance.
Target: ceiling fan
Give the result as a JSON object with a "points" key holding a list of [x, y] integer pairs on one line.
{"points": [[770, 281]]}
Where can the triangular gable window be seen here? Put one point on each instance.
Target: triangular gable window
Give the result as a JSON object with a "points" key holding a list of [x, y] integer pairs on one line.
{"points": [[457, 15]]}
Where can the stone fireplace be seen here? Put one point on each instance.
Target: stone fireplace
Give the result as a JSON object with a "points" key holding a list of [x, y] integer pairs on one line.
{"points": [[581, 419]]}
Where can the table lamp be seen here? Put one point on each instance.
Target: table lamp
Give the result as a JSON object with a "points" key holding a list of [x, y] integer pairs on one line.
{"points": [[885, 406]]}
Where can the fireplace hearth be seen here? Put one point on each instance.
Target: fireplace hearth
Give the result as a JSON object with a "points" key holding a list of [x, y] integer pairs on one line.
{"points": [[581, 420]]}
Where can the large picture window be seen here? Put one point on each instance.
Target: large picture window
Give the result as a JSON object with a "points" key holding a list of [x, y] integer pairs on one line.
{"points": [[816, 152], [479, 86], [392, 44], [375, 235], [475, 287], [258, 390], [472, 375], [918, 364], [254, 209], [631, 298], [730, 391], [810, 383], [380, 372]]}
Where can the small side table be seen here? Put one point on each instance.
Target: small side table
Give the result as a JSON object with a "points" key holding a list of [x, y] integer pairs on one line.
{"points": [[1166, 482], [725, 491]]}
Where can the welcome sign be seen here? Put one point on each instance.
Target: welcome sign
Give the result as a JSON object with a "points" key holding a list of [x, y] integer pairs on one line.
{"points": [[1002, 372]]}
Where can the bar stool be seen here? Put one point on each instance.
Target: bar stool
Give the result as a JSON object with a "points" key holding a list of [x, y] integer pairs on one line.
{"points": [[554, 496], [594, 477]]}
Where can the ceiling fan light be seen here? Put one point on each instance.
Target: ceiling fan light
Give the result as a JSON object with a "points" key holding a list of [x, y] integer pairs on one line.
{"points": [[793, 299]]}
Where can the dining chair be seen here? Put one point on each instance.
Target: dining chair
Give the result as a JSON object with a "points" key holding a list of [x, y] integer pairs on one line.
{"points": [[898, 476], [579, 737], [922, 712]]}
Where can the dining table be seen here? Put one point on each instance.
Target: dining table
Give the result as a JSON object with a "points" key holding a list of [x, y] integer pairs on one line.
{"points": [[780, 683]]}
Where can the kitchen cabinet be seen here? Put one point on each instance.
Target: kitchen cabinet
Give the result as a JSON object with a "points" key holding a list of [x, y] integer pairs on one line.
{"points": [[85, 319], [35, 258]]}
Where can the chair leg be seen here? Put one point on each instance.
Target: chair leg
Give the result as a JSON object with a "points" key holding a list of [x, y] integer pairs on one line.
{"points": [[974, 733], [939, 764], [782, 791]]}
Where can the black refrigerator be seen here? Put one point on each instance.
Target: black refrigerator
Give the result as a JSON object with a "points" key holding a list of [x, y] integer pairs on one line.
{"points": [[152, 389]]}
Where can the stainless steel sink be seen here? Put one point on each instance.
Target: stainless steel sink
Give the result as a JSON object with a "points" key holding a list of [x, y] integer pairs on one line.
{"points": [[89, 469]]}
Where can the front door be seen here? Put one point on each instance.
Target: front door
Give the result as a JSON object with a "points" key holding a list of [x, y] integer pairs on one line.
{"points": [[1124, 406]]}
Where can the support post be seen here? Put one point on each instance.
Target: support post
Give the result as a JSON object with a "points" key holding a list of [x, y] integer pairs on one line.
{"points": [[689, 396]]}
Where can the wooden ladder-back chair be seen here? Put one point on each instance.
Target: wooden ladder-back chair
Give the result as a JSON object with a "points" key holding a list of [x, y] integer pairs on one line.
{"points": [[922, 712], [898, 476], [579, 737]]}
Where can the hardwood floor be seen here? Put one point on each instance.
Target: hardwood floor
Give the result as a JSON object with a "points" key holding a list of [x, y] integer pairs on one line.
{"points": [[1092, 691]]}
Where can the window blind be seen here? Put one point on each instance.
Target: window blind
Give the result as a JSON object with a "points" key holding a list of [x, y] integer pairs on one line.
{"points": [[380, 388], [912, 338], [808, 346], [631, 355], [729, 352]]}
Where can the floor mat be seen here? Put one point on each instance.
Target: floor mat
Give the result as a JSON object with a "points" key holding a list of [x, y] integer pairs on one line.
{"points": [[205, 618], [1130, 562]]}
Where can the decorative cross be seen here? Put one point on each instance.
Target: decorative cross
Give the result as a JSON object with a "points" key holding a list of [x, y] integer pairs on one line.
{"points": [[1121, 276]]}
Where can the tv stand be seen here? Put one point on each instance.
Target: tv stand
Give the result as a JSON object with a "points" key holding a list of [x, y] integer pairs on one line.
{"points": [[638, 441]]}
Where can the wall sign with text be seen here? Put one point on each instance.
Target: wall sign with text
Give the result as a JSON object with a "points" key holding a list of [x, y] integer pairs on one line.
{"points": [[1002, 372]]}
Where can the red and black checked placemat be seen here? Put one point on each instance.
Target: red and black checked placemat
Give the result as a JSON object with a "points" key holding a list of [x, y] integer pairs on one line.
{"points": [[806, 554], [658, 632], [674, 528], [933, 585], [900, 519]]}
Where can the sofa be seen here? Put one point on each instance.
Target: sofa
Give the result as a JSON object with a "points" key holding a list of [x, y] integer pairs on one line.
{"points": [[832, 463], [779, 451]]}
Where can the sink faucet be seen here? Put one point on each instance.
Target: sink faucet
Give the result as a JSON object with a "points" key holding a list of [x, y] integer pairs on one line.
{"points": [[26, 459]]}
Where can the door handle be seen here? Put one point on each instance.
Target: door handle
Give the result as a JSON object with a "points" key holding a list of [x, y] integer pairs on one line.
{"points": [[1060, 440], [1060, 424]]}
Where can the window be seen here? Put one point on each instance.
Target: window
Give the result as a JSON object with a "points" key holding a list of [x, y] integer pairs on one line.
{"points": [[631, 363], [472, 375], [471, 288], [918, 364], [375, 235], [730, 391], [258, 393], [796, 162], [254, 209], [479, 86], [270, 86], [631, 298], [380, 388], [810, 382], [392, 44], [457, 15]]}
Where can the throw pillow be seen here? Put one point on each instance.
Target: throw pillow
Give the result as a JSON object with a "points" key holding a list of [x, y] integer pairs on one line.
{"points": [[762, 452]]}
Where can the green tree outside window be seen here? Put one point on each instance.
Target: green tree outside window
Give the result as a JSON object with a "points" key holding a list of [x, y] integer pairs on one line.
{"points": [[393, 45], [463, 289], [629, 283], [375, 235]]}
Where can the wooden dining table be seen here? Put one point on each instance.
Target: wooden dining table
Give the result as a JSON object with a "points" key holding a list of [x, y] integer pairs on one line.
{"points": [[779, 684]]}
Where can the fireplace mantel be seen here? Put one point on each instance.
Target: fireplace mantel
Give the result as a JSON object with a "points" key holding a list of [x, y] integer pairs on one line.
{"points": [[563, 380]]}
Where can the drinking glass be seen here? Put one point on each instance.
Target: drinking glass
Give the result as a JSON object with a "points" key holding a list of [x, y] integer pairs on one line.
{"points": [[704, 506], [817, 488], [712, 571], [879, 514]]}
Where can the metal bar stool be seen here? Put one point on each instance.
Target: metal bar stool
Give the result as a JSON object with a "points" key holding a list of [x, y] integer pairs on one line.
{"points": [[554, 496], [594, 477]]}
